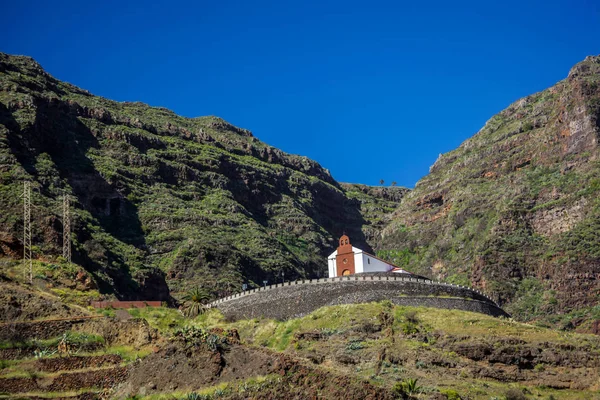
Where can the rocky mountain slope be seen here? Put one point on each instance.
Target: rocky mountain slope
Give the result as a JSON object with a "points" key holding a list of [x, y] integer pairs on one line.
{"points": [[162, 203], [161, 198], [515, 210]]}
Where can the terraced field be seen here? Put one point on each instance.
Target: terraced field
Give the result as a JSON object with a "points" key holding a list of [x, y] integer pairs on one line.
{"points": [[360, 351], [64, 359]]}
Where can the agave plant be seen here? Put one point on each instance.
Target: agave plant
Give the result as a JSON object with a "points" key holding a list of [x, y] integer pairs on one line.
{"points": [[410, 386], [194, 302], [406, 388], [43, 353]]}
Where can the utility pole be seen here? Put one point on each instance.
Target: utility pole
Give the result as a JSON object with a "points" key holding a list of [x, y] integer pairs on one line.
{"points": [[66, 229], [27, 252]]}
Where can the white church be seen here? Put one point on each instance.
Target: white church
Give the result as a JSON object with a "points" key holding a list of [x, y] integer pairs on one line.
{"points": [[349, 260]]}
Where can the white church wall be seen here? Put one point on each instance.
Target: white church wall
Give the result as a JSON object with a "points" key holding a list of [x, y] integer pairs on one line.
{"points": [[332, 267], [372, 264], [358, 264]]}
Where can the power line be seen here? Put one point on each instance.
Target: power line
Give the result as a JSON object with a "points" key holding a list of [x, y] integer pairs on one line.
{"points": [[27, 251], [66, 229]]}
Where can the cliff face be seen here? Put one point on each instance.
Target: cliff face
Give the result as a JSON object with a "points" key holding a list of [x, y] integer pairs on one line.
{"points": [[377, 204], [158, 197], [164, 203], [515, 209]]}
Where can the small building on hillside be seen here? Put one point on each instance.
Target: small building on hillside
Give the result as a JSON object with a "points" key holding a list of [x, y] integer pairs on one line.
{"points": [[349, 260]]}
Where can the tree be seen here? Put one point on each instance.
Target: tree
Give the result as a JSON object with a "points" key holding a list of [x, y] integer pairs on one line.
{"points": [[394, 183], [381, 182], [194, 302]]}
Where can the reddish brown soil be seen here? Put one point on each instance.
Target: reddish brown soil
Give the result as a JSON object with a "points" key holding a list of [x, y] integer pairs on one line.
{"points": [[188, 369], [15, 354], [20, 303], [75, 362], [178, 368], [105, 378], [82, 396], [305, 382], [41, 329]]}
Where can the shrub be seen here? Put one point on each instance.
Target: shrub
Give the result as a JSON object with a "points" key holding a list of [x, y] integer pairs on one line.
{"points": [[328, 332], [196, 396], [527, 126], [515, 394], [355, 345], [451, 394], [386, 304], [411, 317], [194, 336], [398, 390], [409, 328], [420, 365], [410, 324], [43, 353], [539, 367]]}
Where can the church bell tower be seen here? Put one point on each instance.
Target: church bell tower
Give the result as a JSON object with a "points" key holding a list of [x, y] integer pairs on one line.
{"points": [[345, 257]]}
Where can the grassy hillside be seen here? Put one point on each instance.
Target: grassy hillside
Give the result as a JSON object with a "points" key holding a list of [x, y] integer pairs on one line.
{"points": [[452, 354], [367, 351]]}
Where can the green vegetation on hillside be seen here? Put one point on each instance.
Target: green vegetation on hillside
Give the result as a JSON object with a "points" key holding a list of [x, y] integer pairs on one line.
{"points": [[456, 353], [161, 202], [515, 210]]}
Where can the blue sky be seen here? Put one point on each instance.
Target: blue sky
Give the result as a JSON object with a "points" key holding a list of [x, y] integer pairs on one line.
{"points": [[371, 90]]}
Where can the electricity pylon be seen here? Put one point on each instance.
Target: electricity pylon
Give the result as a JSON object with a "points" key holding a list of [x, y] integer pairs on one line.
{"points": [[27, 251], [66, 229]]}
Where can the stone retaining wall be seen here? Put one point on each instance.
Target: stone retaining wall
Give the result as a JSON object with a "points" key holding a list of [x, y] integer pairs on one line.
{"points": [[126, 304], [296, 299]]}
